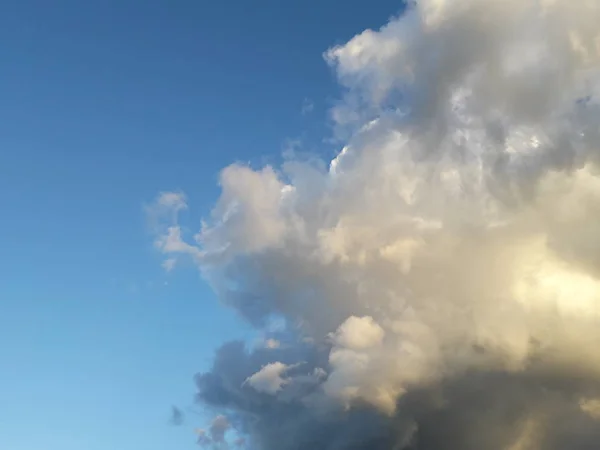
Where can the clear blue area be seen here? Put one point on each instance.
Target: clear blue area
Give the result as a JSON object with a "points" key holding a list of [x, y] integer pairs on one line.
{"points": [[104, 103]]}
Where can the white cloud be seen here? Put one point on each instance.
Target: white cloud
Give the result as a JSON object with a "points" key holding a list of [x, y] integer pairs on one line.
{"points": [[169, 264], [172, 200], [455, 235], [591, 406], [166, 208], [163, 215], [358, 333], [269, 379], [249, 211], [173, 243], [307, 106]]}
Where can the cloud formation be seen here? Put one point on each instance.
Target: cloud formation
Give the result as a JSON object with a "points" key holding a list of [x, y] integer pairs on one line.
{"points": [[215, 436], [440, 282], [307, 106], [269, 379]]}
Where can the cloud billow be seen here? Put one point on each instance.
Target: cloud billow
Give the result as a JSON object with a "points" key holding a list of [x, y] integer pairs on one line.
{"points": [[440, 281]]}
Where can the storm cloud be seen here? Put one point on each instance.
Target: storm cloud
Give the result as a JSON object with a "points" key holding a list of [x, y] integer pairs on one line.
{"points": [[439, 279]]}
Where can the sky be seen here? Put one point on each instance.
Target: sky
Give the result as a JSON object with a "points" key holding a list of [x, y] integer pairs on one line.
{"points": [[103, 104]]}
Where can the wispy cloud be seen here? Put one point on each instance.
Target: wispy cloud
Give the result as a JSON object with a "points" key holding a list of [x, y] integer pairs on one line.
{"points": [[166, 208], [169, 264], [163, 215], [307, 106]]}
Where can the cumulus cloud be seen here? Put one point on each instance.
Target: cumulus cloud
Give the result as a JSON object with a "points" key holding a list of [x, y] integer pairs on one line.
{"points": [[358, 333], [269, 379], [439, 282], [215, 436]]}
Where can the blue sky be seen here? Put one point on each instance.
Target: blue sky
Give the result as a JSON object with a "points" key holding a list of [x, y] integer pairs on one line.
{"points": [[103, 104]]}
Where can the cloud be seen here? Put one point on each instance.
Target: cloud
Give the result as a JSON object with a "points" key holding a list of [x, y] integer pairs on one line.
{"points": [[169, 264], [358, 333], [166, 207], [215, 436], [163, 215], [218, 428], [307, 106], [172, 243], [174, 201], [177, 416], [437, 282], [269, 379], [272, 343]]}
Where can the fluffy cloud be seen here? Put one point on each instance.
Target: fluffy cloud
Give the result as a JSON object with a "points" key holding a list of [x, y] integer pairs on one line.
{"points": [[215, 436], [269, 379], [440, 282], [358, 333]]}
